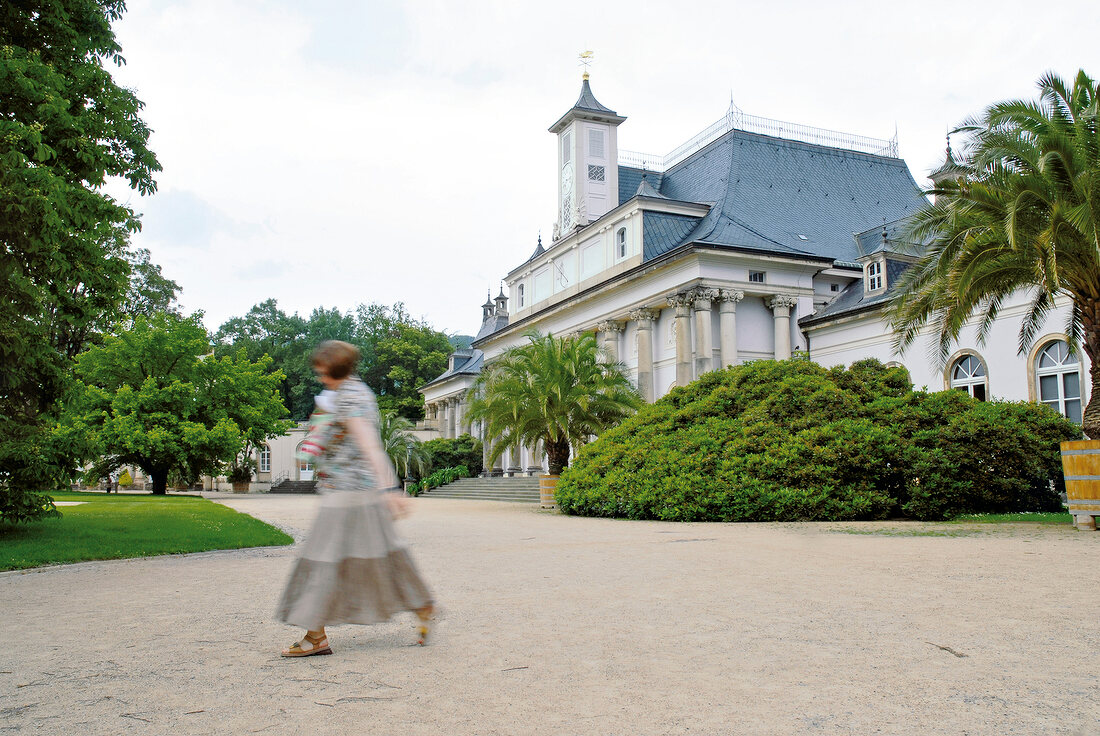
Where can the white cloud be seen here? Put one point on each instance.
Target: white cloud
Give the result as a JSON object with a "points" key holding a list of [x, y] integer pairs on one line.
{"points": [[350, 152]]}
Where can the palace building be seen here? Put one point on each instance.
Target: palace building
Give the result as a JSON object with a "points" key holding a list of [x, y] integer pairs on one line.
{"points": [[754, 239]]}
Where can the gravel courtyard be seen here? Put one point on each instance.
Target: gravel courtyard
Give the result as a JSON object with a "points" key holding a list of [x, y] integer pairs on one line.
{"points": [[559, 625]]}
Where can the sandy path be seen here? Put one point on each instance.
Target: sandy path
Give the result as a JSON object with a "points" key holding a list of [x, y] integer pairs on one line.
{"points": [[580, 626]]}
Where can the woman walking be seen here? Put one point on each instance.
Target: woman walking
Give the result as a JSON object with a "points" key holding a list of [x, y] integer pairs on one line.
{"points": [[354, 568]]}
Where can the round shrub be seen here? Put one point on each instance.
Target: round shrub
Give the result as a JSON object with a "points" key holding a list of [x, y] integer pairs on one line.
{"points": [[791, 440]]}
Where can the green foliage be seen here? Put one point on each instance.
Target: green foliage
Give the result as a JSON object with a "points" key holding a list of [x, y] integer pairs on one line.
{"points": [[447, 453], [405, 451], [791, 440], [1020, 211], [400, 354], [65, 126], [558, 391], [439, 478], [108, 527], [241, 468], [152, 397]]}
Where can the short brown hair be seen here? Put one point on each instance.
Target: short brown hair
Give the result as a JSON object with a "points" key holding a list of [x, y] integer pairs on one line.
{"points": [[337, 357]]}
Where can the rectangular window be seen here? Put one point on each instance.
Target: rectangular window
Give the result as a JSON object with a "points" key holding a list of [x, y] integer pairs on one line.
{"points": [[757, 277], [834, 287], [566, 148], [595, 143], [595, 173], [521, 295], [264, 466]]}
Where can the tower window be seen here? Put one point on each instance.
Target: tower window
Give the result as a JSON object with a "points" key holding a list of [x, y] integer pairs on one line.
{"points": [[620, 242], [566, 148], [757, 277], [595, 143], [520, 294], [595, 173]]}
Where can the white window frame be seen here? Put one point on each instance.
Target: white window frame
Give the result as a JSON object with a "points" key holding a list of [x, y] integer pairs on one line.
{"points": [[973, 374], [520, 294], [566, 147], [263, 463], [763, 277], [875, 276], [620, 243], [1066, 365]]}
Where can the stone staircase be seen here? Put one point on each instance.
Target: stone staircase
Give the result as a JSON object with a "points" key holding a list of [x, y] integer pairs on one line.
{"points": [[520, 490], [294, 486]]}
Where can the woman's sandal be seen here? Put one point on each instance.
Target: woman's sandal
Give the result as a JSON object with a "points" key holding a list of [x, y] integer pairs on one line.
{"points": [[424, 625], [307, 647]]}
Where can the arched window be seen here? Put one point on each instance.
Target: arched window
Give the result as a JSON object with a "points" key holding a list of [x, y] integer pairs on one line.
{"points": [[620, 242], [968, 374], [522, 295], [264, 465], [1059, 377]]}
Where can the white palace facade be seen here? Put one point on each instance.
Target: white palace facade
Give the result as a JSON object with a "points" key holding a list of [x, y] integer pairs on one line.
{"points": [[752, 240]]}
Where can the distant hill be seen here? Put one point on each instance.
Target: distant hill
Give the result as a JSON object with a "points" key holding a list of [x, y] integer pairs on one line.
{"points": [[460, 342]]}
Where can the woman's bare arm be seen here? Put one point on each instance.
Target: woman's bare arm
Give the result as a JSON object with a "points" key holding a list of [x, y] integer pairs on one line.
{"points": [[367, 438]]}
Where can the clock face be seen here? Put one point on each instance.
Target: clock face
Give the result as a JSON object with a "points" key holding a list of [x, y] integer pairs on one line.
{"points": [[567, 179]]}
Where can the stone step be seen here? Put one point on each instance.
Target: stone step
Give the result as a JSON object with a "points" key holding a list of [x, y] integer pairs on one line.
{"points": [[509, 498]]}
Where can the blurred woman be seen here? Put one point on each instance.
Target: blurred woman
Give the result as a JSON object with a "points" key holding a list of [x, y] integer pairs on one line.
{"points": [[354, 568]]}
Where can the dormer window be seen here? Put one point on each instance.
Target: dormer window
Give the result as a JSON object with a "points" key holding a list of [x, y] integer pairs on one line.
{"points": [[620, 242], [875, 280]]}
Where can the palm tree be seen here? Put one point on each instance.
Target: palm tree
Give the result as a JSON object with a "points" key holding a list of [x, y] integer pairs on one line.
{"points": [[553, 389], [1020, 213], [404, 450]]}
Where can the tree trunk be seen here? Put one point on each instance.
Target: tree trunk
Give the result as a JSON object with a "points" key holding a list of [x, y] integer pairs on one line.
{"points": [[1090, 319], [160, 482], [557, 456]]}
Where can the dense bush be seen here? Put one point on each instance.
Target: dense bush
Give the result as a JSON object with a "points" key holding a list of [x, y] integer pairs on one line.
{"points": [[790, 440], [462, 450], [439, 478]]}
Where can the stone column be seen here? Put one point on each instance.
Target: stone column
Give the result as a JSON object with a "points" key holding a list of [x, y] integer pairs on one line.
{"points": [[534, 466], [611, 331], [452, 411], [727, 325], [463, 418], [645, 319], [704, 354], [781, 309], [682, 302]]}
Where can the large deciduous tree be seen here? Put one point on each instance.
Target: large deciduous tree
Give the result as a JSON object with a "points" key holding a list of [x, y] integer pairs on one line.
{"points": [[1022, 213], [556, 390], [154, 397], [65, 127]]}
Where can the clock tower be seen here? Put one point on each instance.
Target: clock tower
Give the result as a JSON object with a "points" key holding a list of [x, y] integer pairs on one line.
{"points": [[588, 169]]}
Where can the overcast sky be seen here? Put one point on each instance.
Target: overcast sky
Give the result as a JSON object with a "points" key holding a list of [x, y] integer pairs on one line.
{"points": [[331, 152]]}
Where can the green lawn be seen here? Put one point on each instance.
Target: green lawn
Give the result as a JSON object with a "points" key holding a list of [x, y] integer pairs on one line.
{"points": [[108, 527], [1030, 517]]}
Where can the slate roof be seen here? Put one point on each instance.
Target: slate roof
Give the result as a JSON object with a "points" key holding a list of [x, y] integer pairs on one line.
{"points": [[587, 100], [870, 241], [468, 362], [630, 179], [783, 196], [852, 301], [662, 232]]}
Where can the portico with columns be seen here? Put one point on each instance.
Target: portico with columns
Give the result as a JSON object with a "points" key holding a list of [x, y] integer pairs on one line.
{"points": [[686, 263]]}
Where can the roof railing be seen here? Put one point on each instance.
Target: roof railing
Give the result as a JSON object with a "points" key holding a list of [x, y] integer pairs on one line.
{"points": [[736, 119]]}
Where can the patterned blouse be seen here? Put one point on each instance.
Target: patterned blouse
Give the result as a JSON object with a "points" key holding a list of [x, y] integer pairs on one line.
{"points": [[343, 467]]}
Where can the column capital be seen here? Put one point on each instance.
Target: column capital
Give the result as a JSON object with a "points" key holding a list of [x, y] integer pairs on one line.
{"points": [[732, 295], [681, 299], [645, 315], [702, 296], [611, 326], [780, 301]]}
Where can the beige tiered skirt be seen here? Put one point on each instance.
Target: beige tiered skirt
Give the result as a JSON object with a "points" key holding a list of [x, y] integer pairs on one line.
{"points": [[354, 568]]}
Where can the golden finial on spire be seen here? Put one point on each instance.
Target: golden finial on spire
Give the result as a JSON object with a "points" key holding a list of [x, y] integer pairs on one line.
{"points": [[586, 60]]}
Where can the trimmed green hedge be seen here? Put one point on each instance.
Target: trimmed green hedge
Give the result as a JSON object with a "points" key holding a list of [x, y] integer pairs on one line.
{"points": [[439, 478], [791, 440], [450, 453]]}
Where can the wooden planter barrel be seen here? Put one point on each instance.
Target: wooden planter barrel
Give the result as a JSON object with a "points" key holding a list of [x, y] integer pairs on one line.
{"points": [[547, 484], [240, 486], [1081, 465]]}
